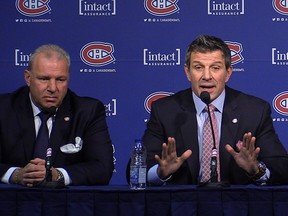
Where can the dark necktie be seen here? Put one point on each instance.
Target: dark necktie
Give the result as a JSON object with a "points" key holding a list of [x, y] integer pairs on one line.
{"points": [[42, 137]]}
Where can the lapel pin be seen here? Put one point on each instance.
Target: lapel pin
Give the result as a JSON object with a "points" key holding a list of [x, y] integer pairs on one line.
{"points": [[66, 119], [235, 120]]}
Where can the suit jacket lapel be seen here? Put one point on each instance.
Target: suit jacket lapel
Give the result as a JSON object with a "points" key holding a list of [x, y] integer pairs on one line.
{"points": [[25, 118], [190, 132], [230, 121], [60, 127]]}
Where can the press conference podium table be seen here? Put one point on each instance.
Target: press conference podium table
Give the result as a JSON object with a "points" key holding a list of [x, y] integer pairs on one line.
{"points": [[165, 201]]}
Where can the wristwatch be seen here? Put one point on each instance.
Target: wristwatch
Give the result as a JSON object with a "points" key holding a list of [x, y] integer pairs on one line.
{"points": [[261, 171], [60, 176]]}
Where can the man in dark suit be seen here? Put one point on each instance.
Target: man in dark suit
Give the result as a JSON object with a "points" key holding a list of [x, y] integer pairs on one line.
{"points": [[249, 150], [82, 151]]}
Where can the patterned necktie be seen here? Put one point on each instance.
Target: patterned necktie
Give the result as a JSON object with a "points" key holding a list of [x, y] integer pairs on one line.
{"points": [[42, 137], [208, 146]]}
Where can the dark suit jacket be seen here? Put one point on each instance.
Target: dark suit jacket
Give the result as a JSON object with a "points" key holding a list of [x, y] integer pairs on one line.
{"points": [[92, 165], [175, 116]]}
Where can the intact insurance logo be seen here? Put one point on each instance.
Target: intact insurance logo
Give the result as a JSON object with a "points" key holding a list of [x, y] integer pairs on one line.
{"points": [[97, 54], [156, 58], [97, 8], [111, 108], [281, 7], [32, 9], [163, 9], [21, 57], [236, 49], [226, 7], [280, 105], [279, 57]]}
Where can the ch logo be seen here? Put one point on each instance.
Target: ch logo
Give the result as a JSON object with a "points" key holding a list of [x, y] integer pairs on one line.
{"points": [[281, 6], [280, 103], [97, 54], [33, 7], [161, 7], [236, 52]]}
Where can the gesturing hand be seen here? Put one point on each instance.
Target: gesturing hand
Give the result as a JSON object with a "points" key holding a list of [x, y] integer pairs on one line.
{"points": [[169, 162], [247, 156]]}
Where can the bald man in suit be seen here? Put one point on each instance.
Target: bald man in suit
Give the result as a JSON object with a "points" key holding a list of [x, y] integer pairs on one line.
{"points": [[82, 151]]}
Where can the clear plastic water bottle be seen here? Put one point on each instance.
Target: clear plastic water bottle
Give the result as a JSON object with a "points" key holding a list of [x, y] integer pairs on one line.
{"points": [[138, 166]]}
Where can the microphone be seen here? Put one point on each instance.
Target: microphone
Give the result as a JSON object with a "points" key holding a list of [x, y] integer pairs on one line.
{"points": [[205, 97], [47, 182], [51, 111], [48, 165]]}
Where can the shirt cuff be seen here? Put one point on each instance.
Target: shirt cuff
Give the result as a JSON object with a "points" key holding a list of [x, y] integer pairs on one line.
{"points": [[154, 178], [263, 180], [67, 179], [6, 177]]}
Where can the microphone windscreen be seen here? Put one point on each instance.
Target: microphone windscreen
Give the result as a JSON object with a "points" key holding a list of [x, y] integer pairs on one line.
{"points": [[49, 152], [205, 97], [50, 110]]}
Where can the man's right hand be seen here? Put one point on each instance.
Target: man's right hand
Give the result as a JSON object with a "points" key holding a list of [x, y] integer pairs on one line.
{"points": [[33, 172], [169, 161]]}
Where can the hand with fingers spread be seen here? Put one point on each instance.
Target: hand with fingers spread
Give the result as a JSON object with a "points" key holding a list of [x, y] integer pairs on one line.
{"points": [[247, 156], [169, 161]]}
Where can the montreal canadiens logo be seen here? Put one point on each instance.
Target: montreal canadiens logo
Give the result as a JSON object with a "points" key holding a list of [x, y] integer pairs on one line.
{"points": [[33, 7], [153, 97], [97, 54], [280, 103], [161, 7], [236, 50], [281, 6]]}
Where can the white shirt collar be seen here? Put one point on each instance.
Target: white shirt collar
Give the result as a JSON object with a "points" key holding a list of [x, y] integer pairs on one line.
{"points": [[35, 109]]}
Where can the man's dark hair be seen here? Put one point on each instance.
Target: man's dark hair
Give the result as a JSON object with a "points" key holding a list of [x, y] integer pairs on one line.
{"points": [[206, 43]]}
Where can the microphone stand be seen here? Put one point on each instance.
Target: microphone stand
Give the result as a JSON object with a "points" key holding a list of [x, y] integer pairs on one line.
{"points": [[214, 174], [47, 182], [213, 181], [50, 184]]}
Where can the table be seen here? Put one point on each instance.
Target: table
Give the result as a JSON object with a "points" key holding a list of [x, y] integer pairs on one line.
{"points": [[163, 201]]}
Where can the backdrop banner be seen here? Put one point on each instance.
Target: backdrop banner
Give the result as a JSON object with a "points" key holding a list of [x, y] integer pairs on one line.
{"points": [[128, 53]]}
